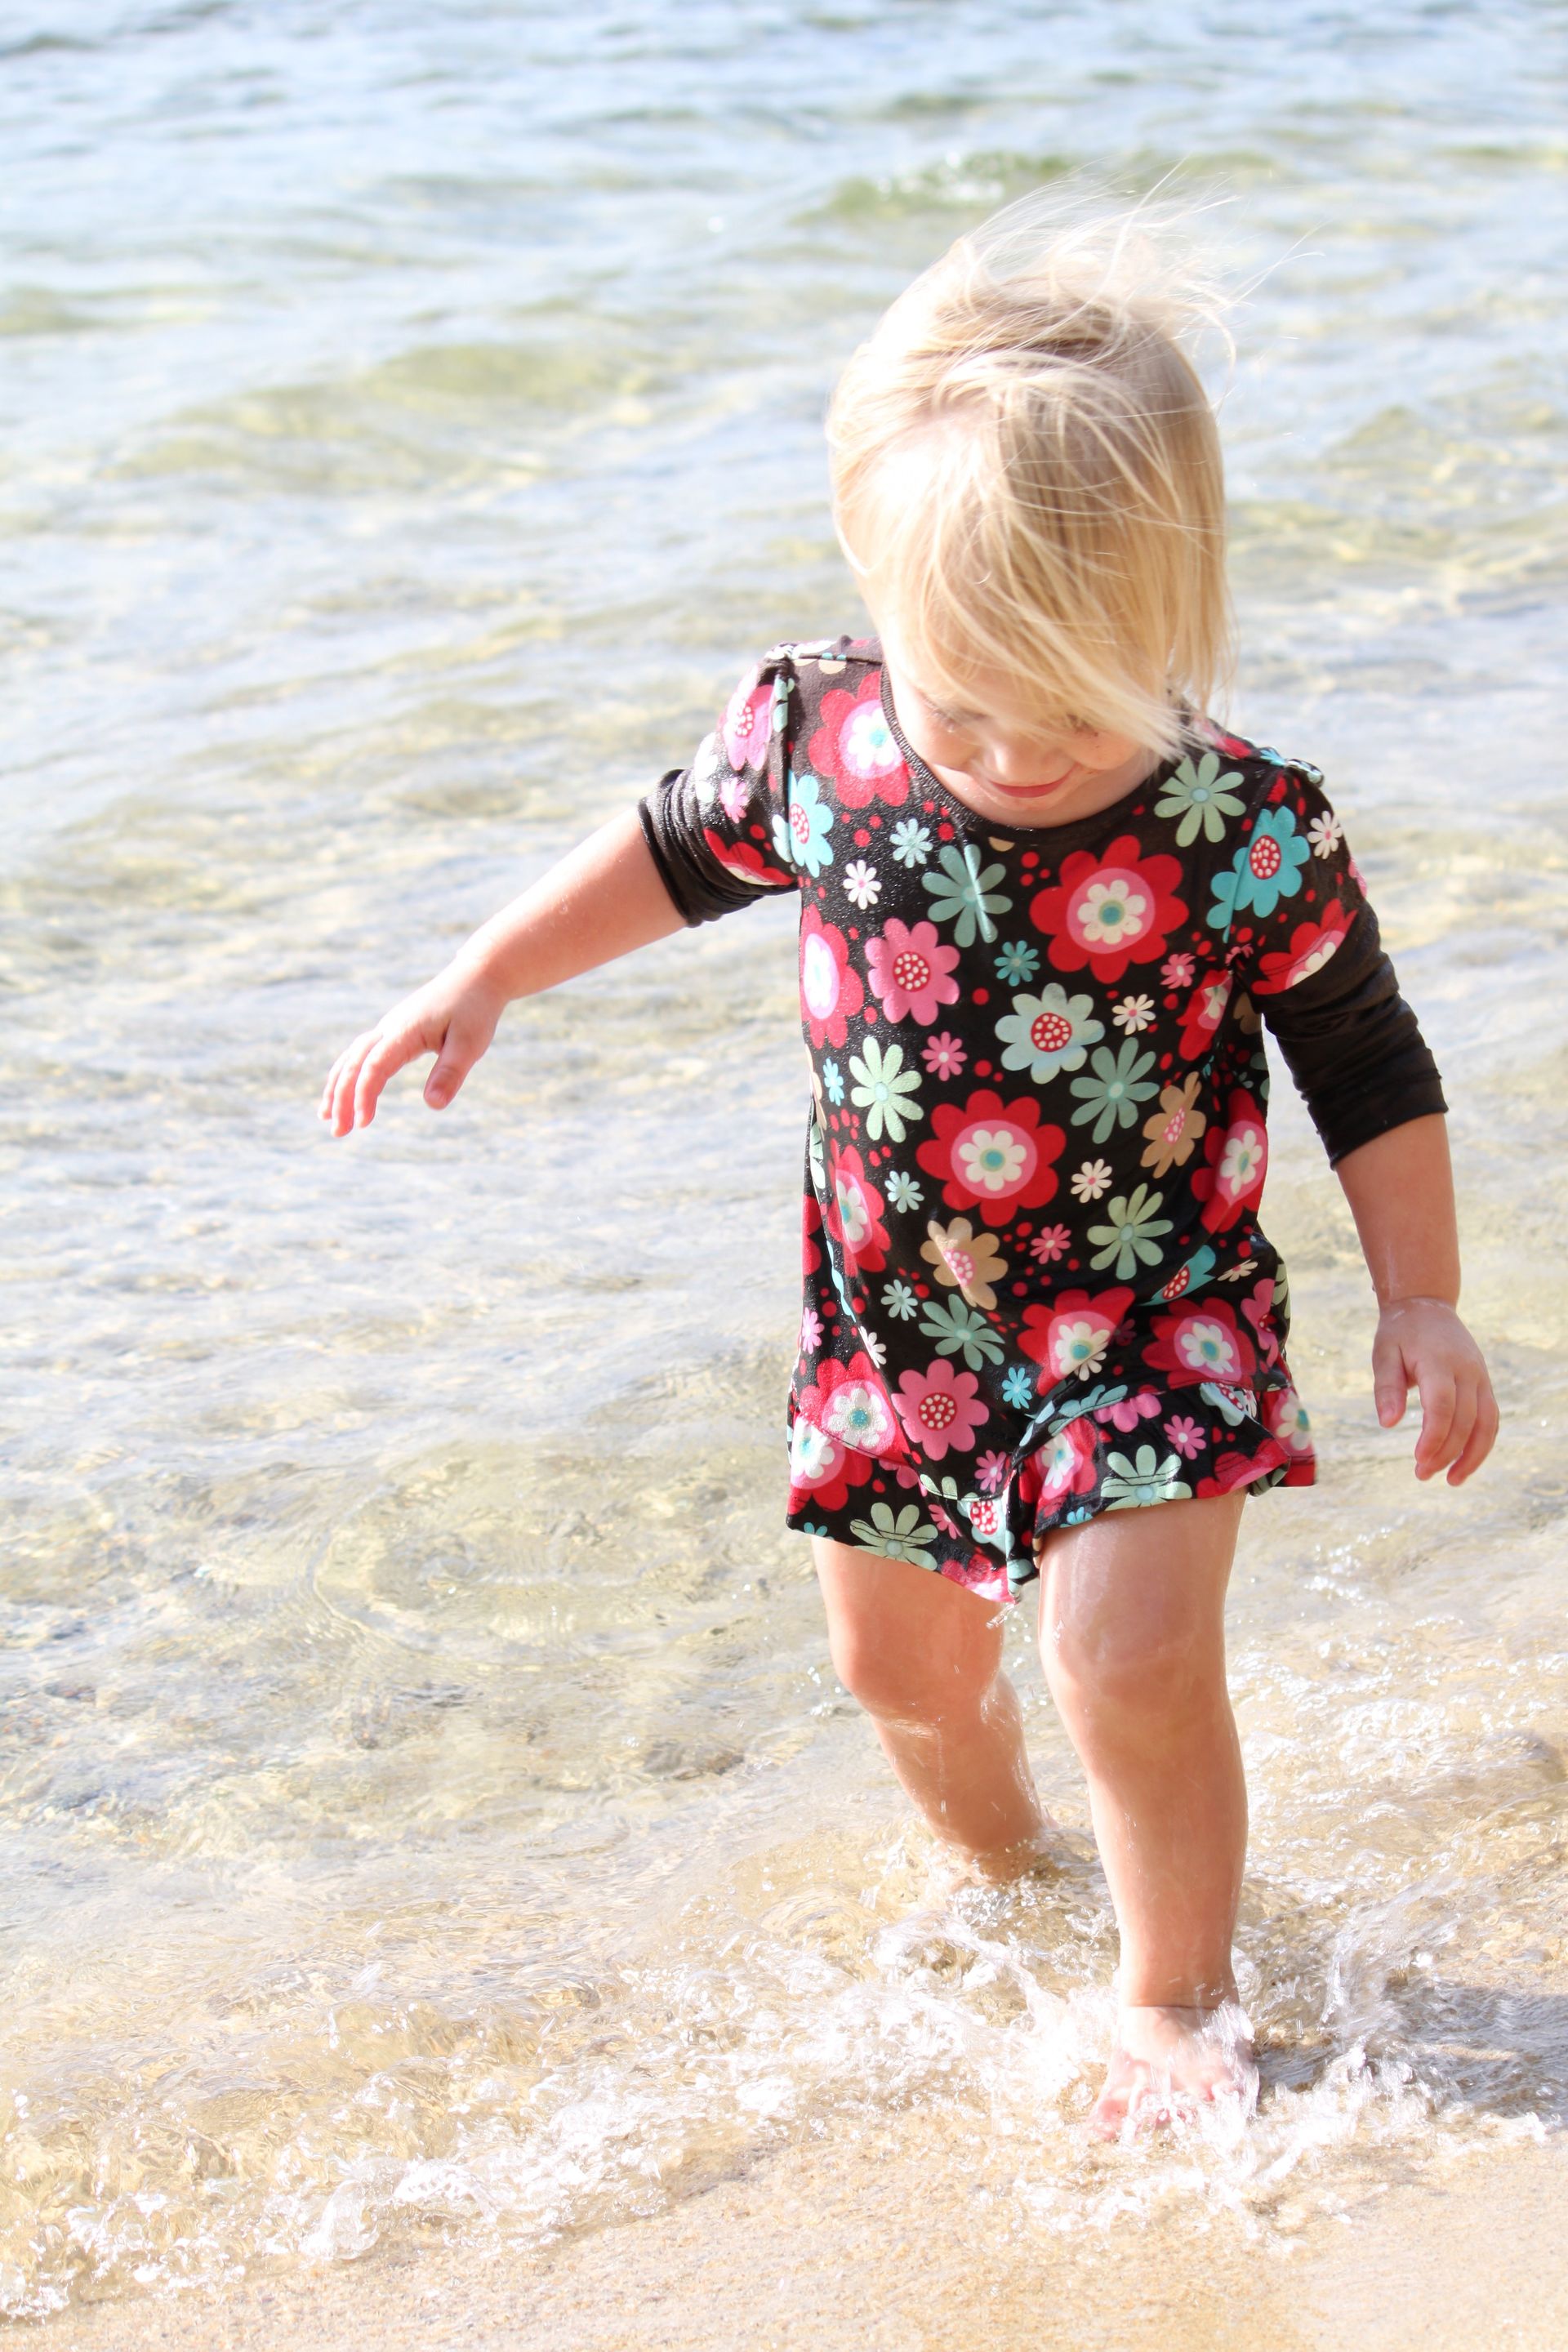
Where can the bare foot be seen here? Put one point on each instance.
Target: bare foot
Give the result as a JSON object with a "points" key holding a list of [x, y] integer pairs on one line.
{"points": [[951, 1868], [1169, 2063]]}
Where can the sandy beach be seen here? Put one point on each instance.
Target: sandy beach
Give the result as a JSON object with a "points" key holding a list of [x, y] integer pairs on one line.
{"points": [[824, 2249]]}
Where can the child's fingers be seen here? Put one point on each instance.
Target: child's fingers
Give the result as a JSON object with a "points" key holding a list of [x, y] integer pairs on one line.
{"points": [[328, 1092], [384, 1061], [1482, 1437], [345, 1072], [460, 1050], [1466, 1399], [1439, 1402], [1390, 1381]]}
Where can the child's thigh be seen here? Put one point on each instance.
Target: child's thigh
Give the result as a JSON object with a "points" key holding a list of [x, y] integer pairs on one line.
{"points": [[1138, 1592], [903, 1636]]}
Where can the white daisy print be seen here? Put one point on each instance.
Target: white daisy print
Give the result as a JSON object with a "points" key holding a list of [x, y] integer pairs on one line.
{"points": [[912, 842], [1325, 832], [1091, 1180], [1134, 1013], [862, 886]]}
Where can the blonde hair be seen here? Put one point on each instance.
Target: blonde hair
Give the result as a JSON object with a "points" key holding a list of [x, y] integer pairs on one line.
{"points": [[1026, 469]]}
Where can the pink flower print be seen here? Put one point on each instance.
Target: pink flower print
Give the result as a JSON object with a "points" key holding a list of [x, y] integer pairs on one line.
{"points": [[990, 1472], [1128, 1412], [939, 1410], [810, 1330], [1177, 970], [1185, 1436], [747, 724], [911, 971], [945, 1056], [1051, 1244]]}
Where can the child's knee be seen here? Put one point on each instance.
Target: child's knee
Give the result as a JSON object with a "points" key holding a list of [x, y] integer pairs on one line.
{"points": [[901, 1681], [1143, 1665]]}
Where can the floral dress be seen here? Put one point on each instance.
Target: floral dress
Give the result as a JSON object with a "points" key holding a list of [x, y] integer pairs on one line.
{"points": [[1036, 1284]]}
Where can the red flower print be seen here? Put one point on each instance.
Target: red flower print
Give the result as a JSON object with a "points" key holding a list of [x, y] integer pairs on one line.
{"points": [[911, 971], [821, 1468], [744, 858], [1069, 1339], [1205, 1012], [939, 1409], [855, 747], [1065, 1467], [810, 1225], [747, 724], [1110, 910], [1201, 1343], [854, 1215], [992, 1155], [1236, 1157], [1258, 1311], [1312, 945], [830, 987], [851, 1402], [986, 1517]]}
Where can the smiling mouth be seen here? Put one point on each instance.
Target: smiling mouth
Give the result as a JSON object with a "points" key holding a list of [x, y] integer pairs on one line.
{"points": [[1032, 792]]}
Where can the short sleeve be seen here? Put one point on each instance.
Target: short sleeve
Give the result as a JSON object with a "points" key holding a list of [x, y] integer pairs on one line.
{"points": [[718, 831], [1303, 940]]}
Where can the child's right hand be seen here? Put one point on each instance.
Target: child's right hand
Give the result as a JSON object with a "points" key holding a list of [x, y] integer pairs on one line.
{"points": [[454, 1016]]}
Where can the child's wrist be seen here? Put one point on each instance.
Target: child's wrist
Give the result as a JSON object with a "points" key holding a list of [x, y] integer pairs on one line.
{"points": [[1417, 1298]]}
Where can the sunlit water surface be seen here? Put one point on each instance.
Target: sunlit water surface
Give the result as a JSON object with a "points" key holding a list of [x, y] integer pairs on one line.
{"points": [[428, 1808]]}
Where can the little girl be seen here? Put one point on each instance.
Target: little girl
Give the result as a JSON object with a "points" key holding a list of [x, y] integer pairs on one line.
{"points": [[1046, 905]]}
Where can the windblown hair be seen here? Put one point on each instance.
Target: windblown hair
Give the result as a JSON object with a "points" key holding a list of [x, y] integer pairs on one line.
{"points": [[1026, 471]]}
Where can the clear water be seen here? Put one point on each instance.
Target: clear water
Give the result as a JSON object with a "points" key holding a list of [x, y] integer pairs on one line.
{"points": [[428, 1806]]}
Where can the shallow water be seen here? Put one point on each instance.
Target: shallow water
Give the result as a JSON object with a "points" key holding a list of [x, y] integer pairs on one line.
{"points": [[428, 1806]]}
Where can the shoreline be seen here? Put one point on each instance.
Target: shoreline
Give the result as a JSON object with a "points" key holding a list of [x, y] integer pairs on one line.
{"points": [[825, 2248]]}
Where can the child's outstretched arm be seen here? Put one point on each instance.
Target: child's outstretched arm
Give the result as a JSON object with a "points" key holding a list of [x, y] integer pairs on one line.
{"points": [[605, 899], [1401, 1194]]}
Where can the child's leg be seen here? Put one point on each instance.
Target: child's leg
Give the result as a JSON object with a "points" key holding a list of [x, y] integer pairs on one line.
{"points": [[1132, 1641], [922, 1656]]}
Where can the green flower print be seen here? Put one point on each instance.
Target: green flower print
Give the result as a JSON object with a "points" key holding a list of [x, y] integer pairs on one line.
{"points": [[899, 1299], [1234, 1406], [903, 1192], [964, 896], [1129, 1237], [1091, 1401], [884, 1084], [910, 842], [802, 833], [1199, 797], [1267, 870], [1145, 1479], [896, 1538], [1113, 1096], [1049, 1033], [1018, 960], [954, 1327]]}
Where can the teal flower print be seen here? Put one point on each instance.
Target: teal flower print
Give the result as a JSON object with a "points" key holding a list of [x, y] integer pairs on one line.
{"points": [[1200, 798], [1112, 1097], [955, 1326], [1130, 1235], [833, 1079], [962, 894], [899, 1300], [896, 1538], [1018, 960], [1019, 1388], [883, 1091], [1049, 1033], [802, 833], [910, 842], [1145, 1479], [1267, 870], [903, 1192]]}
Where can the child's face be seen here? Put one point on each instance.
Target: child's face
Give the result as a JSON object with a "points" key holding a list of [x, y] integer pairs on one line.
{"points": [[1005, 765]]}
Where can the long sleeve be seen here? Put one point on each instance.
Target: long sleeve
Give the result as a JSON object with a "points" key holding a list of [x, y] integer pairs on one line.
{"points": [[1305, 940], [719, 831]]}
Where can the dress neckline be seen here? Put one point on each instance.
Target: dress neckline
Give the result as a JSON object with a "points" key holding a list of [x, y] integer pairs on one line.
{"points": [[1072, 834]]}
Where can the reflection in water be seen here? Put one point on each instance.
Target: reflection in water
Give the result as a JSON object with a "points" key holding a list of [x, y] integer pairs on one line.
{"points": [[428, 1808]]}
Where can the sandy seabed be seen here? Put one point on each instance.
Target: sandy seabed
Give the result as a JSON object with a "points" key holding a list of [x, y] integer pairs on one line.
{"points": [[828, 2248]]}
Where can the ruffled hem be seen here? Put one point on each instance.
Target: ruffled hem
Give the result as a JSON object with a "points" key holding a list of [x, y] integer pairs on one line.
{"points": [[1108, 1451]]}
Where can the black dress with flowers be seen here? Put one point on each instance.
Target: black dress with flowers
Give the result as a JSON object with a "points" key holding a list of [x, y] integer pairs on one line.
{"points": [[1035, 1284]]}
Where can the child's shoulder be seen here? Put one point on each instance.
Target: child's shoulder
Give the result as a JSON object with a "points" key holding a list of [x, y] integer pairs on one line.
{"points": [[1260, 759], [825, 658]]}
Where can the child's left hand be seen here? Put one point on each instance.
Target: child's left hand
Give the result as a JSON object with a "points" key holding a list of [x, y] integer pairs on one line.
{"points": [[1422, 1343]]}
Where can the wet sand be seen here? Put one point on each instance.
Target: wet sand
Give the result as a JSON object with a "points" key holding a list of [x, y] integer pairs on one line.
{"points": [[826, 2248]]}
